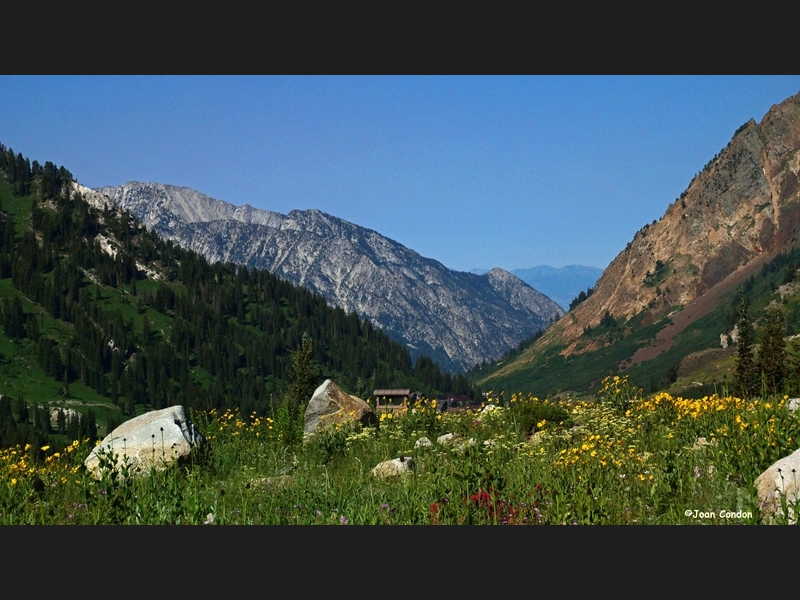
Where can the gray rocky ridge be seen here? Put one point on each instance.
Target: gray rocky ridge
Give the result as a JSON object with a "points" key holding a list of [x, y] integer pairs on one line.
{"points": [[459, 319]]}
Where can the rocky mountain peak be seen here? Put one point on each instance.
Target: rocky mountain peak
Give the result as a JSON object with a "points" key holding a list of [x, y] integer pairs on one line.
{"points": [[459, 319]]}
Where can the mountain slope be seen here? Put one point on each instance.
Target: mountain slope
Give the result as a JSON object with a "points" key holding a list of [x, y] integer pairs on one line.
{"points": [[457, 318], [738, 213], [96, 311]]}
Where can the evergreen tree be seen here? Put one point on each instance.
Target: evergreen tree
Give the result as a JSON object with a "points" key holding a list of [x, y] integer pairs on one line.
{"points": [[41, 419], [22, 409], [113, 420], [14, 318], [772, 353], [304, 374], [65, 383], [91, 427], [73, 426], [747, 378]]}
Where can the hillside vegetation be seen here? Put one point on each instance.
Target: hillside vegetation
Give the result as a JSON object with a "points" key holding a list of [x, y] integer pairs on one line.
{"points": [[696, 364], [102, 320]]}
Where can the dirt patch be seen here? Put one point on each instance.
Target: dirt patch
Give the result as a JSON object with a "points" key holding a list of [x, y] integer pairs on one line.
{"points": [[699, 307]]}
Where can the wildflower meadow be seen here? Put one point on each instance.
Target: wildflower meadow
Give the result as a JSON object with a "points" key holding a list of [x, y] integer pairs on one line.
{"points": [[620, 459]]}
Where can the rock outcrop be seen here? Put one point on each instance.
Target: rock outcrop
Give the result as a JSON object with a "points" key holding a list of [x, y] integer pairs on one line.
{"points": [[743, 205], [737, 213], [459, 319], [157, 439], [330, 405]]}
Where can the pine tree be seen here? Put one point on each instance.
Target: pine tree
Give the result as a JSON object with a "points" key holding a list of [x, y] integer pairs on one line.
{"points": [[772, 353], [22, 409], [746, 370], [62, 421], [91, 427], [304, 373]]}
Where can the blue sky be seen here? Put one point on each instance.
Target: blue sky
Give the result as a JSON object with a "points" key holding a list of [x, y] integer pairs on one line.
{"points": [[474, 171]]}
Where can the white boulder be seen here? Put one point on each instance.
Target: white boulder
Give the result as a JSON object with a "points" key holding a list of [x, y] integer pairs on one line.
{"points": [[781, 480], [157, 439]]}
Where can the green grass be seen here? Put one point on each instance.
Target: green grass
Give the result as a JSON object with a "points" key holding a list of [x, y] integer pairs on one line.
{"points": [[624, 460]]}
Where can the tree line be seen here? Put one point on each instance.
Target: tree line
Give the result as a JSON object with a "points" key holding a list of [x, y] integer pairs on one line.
{"points": [[205, 335]]}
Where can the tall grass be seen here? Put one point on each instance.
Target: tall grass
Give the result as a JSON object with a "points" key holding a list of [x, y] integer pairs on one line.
{"points": [[626, 459]]}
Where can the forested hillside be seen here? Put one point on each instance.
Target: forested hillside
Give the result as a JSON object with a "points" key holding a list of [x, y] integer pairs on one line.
{"points": [[98, 311]]}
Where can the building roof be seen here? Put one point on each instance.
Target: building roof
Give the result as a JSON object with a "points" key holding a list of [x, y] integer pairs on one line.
{"points": [[391, 392]]}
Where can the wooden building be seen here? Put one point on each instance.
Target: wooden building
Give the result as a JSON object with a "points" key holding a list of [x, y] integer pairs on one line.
{"points": [[392, 400]]}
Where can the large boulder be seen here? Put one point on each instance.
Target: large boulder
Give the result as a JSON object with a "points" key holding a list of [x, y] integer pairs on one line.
{"points": [[158, 438], [330, 404], [782, 479]]}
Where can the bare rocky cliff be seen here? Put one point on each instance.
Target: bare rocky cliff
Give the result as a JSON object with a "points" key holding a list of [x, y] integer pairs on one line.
{"points": [[459, 319], [739, 211]]}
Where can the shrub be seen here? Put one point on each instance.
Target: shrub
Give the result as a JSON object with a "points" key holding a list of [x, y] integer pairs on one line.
{"points": [[619, 392], [531, 414]]}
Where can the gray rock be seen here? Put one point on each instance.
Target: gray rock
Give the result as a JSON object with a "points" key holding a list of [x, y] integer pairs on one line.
{"points": [[330, 404], [157, 439], [69, 413], [782, 479], [445, 439], [423, 442], [393, 468]]}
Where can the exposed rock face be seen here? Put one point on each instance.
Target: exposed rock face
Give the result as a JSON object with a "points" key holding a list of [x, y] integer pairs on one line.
{"points": [[457, 318], [330, 404], [741, 210], [158, 438]]}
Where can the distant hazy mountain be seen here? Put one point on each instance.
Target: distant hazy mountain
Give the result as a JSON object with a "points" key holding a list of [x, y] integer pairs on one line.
{"points": [[458, 319], [559, 284]]}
